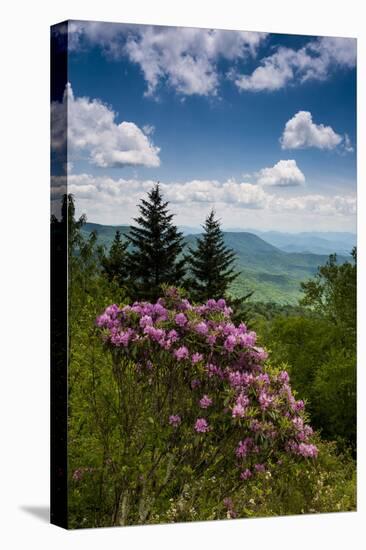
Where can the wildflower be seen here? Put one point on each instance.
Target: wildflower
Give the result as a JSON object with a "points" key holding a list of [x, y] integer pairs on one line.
{"points": [[205, 402], [228, 503], [181, 353], [103, 320], [201, 328], [284, 377], [156, 334], [173, 335], [145, 321], [211, 339], [229, 343], [264, 400], [246, 474], [175, 420], [201, 425], [307, 450], [299, 405], [259, 468], [195, 383], [181, 319], [196, 358], [238, 411], [244, 447], [78, 474]]}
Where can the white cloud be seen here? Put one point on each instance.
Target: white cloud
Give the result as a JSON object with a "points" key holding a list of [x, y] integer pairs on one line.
{"points": [[314, 61], [347, 144], [184, 58], [110, 200], [300, 131], [92, 129], [316, 204], [285, 173]]}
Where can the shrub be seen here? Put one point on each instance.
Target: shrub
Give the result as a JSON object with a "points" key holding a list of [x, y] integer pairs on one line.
{"points": [[195, 398]]}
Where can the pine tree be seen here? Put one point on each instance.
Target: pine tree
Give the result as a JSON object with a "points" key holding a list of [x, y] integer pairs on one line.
{"points": [[211, 263], [114, 264], [157, 245]]}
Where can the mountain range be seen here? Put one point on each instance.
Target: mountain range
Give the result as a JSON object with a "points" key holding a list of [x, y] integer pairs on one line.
{"points": [[272, 265]]}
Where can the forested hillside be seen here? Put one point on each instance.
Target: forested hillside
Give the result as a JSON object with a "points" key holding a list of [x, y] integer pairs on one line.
{"points": [[273, 275]]}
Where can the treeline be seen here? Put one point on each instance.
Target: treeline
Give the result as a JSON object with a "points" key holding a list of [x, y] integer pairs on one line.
{"points": [[153, 254]]}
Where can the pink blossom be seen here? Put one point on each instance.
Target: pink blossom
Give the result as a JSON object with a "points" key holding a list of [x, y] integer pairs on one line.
{"points": [[201, 425], [173, 335], [284, 377], [205, 402], [259, 468], [244, 447], [181, 353], [201, 328], [211, 339], [238, 411], [181, 319], [255, 425], [246, 474], [175, 420], [103, 320], [156, 334], [230, 342], [145, 321], [307, 450], [264, 400], [196, 358], [299, 405]]}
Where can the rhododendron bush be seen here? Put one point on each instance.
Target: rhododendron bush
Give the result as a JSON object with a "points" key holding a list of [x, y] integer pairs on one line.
{"points": [[197, 398]]}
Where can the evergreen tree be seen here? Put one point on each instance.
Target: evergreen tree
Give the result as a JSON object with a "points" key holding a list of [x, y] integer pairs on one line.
{"points": [[114, 264], [211, 263], [157, 245]]}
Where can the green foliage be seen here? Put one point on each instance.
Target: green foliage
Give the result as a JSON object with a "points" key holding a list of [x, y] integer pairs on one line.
{"points": [[327, 485], [333, 292], [114, 264], [320, 349], [155, 257], [211, 263], [334, 396], [109, 486], [322, 365]]}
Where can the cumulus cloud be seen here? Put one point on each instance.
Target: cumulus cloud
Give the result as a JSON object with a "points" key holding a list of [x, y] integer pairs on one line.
{"points": [[314, 61], [92, 129], [130, 191], [285, 173], [184, 58], [316, 204], [117, 198], [300, 132]]}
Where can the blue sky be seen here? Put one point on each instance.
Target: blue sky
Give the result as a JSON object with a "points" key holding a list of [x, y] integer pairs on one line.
{"points": [[262, 127]]}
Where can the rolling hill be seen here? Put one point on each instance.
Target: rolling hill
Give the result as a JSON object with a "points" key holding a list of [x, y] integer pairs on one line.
{"points": [[273, 274]]}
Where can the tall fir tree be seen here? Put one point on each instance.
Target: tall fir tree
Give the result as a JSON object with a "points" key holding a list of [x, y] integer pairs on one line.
{"points": [[157, 246], [211, 263], [114, 264]]}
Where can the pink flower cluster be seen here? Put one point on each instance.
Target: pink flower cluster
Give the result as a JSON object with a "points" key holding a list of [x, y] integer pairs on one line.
{"points": [[201, 425], [222, 364]]}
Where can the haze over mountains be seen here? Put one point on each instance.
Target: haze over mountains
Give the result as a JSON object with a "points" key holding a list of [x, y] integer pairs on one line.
{"points": [[272, 264]]}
